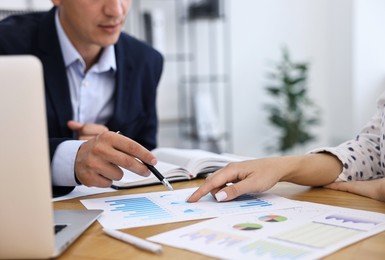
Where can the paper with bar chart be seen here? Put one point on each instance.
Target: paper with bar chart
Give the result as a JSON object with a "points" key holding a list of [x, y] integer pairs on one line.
{"points": [[307, 232], [170, 206]]}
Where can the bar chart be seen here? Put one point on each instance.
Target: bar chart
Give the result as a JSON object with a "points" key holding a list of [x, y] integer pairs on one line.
{"points": [[138, 208]]}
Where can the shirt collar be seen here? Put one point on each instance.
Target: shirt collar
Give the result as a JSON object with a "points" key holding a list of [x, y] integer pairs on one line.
{"points": [[107, 60]]}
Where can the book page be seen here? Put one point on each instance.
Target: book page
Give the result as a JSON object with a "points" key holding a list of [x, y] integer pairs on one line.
{"points": [[194, 160], [178, 164]]}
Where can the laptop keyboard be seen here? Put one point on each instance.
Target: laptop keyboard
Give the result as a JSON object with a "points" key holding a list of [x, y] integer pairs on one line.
{"points": [[58, 228]]}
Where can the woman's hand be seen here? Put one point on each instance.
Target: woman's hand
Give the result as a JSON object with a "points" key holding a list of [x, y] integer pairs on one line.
{"points": [[374, 189], [259, 175], [238, 178]]}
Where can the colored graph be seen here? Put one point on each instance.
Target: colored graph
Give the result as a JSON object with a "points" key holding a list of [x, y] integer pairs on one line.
{"points": [[251, 201], [138, 208], [244, 202], [247, 226], [272, 218], [273, 250], [214, 238], [354, 220], [193, 210], [317, 235]]}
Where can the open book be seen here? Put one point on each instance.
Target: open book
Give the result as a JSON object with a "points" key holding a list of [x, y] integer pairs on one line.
{"points": [[178, 164]]}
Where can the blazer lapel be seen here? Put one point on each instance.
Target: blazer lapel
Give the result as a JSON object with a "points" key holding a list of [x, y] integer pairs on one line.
{"points": [[57, 90], [123, 87]]}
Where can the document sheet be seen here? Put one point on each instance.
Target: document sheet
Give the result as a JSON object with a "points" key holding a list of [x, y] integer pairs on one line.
{"points": [[146, 209], [307, 231]]}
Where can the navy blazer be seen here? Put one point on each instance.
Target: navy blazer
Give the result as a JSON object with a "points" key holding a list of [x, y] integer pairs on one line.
{"points": [[139, 69]]}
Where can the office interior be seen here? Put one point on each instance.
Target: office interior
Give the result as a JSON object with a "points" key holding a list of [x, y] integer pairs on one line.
{"points": [[213, 89]]}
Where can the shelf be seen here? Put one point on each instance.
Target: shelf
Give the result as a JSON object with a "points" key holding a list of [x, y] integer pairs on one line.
{"points": [[178, 57], [205, 79]]}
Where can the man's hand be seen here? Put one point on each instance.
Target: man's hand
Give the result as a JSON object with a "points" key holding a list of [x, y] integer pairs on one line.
{"points": [[86, 131], [97, 160]]}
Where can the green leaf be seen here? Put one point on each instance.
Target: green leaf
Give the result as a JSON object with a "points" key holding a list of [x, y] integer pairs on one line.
{"points": [[273, 90], [292, 112]]}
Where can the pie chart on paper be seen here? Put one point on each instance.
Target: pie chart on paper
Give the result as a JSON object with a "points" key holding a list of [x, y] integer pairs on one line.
{"points": [[272, 218], [247, 226]]}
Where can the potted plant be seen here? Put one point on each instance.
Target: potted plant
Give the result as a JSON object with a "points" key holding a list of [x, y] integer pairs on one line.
{"points": [[291, 112]]}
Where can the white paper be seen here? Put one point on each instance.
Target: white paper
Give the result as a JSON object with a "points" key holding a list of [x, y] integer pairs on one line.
{"points": [[308, 232], [170, 206], [81, 191]]}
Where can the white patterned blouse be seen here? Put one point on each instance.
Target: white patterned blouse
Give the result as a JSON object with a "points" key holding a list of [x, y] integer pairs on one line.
{"points": [[363, 158]]}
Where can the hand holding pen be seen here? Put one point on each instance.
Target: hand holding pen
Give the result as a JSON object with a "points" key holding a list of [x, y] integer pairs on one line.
{"points": [[157, 174], [98, 160]]}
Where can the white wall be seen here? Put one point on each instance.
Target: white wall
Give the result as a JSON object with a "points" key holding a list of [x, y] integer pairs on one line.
{"points": [[342, 39], [304, 27], [339, 90], [368, 58]]}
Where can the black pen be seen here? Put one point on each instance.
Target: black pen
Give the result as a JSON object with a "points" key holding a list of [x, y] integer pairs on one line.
{"points": [[157, 174]]}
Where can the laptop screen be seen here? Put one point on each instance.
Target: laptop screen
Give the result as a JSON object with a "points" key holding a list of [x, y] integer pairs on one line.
{"points": [[26, 219]]}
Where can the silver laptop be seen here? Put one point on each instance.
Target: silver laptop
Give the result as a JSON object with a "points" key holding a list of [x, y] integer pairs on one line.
{"points": [[27, 218]]}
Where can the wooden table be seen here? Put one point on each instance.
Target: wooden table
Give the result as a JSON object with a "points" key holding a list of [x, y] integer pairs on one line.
{"points": [[94, 244]]}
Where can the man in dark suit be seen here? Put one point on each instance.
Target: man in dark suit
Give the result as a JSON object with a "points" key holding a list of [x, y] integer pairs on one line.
{"points": [[98, 80]]}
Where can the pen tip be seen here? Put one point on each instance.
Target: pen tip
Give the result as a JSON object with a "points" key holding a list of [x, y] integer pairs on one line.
{"points": [[167, 184]]}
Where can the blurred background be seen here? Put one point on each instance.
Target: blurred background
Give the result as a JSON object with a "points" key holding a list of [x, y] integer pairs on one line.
{"points": [[219, 55]]}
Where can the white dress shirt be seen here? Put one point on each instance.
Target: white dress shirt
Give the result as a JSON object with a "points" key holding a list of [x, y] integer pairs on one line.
{"points": [[91, 97]]}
